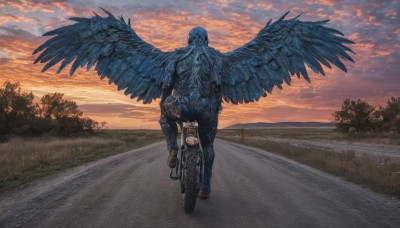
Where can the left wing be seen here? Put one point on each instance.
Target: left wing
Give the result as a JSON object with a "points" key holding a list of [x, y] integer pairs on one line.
{"points": [[279, 50], [116, 50]]}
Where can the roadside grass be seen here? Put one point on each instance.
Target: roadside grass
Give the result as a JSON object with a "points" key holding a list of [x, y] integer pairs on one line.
{"points": [[315, 133], [379, 174], [25, 159]]}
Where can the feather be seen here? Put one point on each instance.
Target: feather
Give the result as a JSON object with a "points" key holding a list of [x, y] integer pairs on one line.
{"points": [[54, 61], [92, 60], [65, 62], [59, 31], [287, 78], [100, 37], [333, 58], [49, 53], [296, 17], [55, 41], [317, 22], [268, 23], [74, 66], [125, 78], [108, 13], [318, 55], [331, 30], [283, 17], [341, 52], [312, 63], [303, 72], [79, 19], [122, 19]]}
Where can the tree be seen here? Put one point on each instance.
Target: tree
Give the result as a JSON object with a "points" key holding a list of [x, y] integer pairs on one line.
{"points": [[356, 114], [17, 109], [21, 116], [66, 115], [390, 115], [53, 106]]}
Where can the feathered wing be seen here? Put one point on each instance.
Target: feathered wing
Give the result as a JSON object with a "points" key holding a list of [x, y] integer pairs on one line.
{"points": [[279, 50], [116, 51]]}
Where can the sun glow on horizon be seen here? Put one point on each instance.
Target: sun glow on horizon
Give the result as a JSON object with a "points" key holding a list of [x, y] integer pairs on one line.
{"points": [[230, 24]]}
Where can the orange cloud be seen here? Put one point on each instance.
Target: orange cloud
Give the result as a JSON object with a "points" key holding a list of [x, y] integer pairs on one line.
{"points": [[230, 24], [28, 5]]}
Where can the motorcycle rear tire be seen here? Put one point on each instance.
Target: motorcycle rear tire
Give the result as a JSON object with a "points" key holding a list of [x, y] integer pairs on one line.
{"points": [[191, 179]]}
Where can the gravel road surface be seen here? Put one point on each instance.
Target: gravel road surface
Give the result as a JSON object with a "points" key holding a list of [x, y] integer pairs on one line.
{"points": [[251, 188], [392, 151]]}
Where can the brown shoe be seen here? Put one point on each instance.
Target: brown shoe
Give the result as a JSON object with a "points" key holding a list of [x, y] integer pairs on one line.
{"points": [[172, 159], [204, 195]]}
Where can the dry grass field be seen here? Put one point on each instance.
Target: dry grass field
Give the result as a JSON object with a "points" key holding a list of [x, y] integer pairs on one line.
{"points": [[315, 134], [381, 175], [24, 159]]}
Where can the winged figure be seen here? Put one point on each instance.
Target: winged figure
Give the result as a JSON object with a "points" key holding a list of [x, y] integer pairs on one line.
{"points": [[192, 81]]}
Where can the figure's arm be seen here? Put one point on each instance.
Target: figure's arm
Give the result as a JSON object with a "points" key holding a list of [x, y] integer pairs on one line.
{"points": [[166, 92], [218, 96]]}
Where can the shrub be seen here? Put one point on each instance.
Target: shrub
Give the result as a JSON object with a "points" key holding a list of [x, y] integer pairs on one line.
{"points": [[55, 115], [354, 114], [390, 115]]}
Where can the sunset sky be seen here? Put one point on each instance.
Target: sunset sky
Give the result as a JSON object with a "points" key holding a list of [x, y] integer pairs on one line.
{"points": [[373, 25]]}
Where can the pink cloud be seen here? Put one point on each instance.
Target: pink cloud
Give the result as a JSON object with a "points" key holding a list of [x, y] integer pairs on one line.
{"points": [[230, 24]]}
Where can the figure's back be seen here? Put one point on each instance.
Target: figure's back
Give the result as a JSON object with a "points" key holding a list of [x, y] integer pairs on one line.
{"points": [[194, 96], [194, 73]]}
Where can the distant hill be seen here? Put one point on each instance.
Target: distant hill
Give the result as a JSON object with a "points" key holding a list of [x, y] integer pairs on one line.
{"points": [[280, 124]]}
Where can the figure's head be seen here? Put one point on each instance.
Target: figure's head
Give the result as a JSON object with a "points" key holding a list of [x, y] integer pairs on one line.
{"points": [[198, 36]]}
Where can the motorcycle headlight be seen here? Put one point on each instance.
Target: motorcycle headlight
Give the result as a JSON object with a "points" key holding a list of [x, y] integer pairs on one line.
{"points": [[192, 141]]}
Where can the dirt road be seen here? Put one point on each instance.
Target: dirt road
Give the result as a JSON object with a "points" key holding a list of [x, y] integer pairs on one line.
{"points": [[251, 188], [392, 151]]}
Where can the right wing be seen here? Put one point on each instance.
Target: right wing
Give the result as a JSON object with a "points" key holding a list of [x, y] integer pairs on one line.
{"points": [[117, 51], [279, 50]]}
